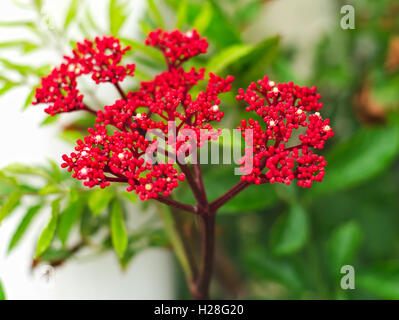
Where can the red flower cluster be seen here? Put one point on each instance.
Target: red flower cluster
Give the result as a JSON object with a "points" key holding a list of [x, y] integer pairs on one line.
{"points": [[284, 108], [103, 157], [101, 59], [118, 155], [177, 47]]}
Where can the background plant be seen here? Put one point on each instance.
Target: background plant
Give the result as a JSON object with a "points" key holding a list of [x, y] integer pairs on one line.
{"points": [[283, 242]]}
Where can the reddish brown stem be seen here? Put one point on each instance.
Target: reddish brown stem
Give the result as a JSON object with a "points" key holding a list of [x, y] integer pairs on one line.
{"points": [[215, 205], [183, 206], [193, 184], [90, 110], [121, 92], [201, 290]]}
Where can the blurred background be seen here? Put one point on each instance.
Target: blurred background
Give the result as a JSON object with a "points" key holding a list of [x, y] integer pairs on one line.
{"points": [[274, 242]]}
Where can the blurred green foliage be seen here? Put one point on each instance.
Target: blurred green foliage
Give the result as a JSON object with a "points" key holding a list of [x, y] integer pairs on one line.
{"points": [[283, 242]]}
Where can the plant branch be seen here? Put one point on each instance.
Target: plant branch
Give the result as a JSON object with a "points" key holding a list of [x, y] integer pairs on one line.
{"points": [[201, 290], [192, 183], [88, 109], [176, 204], [118, 87], [240, 186]]}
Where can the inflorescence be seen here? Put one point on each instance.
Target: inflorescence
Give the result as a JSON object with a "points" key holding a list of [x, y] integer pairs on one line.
{"points": [[115, 149]]}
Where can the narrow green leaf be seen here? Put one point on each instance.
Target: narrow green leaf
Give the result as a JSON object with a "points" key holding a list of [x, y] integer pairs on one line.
{"points": [[23, 226], [7, 87], [18, 168], [2, 292], [117, 15], [156, 15], [72, 11], [99, 200], [255, 64], [181, 17], [21, 68], [118, 231], [49, 120], [145, 27], [204, 18], [49, 189], [29, 98], [10, 204], [228, 56], [25, 46], [17, 24], [266, 267], [47, 234], [290, 232], [342, 246], [363, 156], [67, 219]]}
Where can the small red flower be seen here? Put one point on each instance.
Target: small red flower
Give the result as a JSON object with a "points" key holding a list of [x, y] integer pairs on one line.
{"points": [[284, 109]]}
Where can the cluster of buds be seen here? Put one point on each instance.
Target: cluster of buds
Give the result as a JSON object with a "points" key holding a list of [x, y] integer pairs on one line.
{"points": [[102, 158], [116, 148], [285, 108], [100, 58], [177, 47], [119, 154]]}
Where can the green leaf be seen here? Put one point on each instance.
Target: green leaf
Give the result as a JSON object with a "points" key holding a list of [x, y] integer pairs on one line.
{"points": [[118, 231], [228, 56], [221, 30], [131, 196], [7, 87], [22, 69], [29, 98], [7, 184], [290, 232], [99, 200], [382, 281], [17, 24], [25, 46], [49, 189], [363, 156], [49, 120], [117, 15], [255, 64], [181, 17], [23, 226], [70, 136], [47, 234], [18, 168], [67, 219], [10, 204], [342, 246], [155, 14], [38, 4], [266, 267], [204, 18], [72, 11], [2, 292]]}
